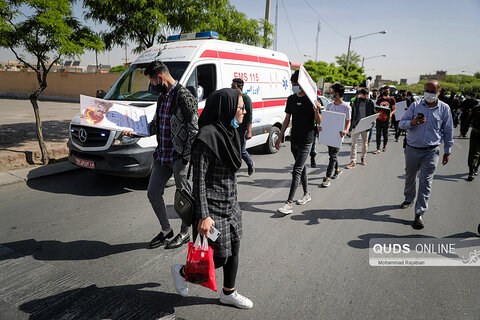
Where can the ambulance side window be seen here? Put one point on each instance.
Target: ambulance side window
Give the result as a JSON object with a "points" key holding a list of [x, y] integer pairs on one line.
{"points": [[207, 79]]}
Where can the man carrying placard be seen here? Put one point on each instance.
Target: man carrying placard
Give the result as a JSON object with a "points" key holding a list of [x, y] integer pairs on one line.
{"points": [[362, 107]]}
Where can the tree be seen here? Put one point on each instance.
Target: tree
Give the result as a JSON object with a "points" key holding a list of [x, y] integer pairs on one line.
{"points": [[332, 74], [120, 68], [147, 22], [354, 59], [48, 33]]}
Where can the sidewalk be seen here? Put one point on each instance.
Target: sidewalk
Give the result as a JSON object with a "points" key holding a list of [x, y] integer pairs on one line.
{"points": [[18, 141]]}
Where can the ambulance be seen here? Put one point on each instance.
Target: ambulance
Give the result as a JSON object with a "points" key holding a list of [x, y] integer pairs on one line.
{"points": [[203, 64]]}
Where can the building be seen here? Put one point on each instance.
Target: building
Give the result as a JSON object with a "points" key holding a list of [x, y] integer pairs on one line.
{"points": [[439, 75], [403, 81], [102, 68]]}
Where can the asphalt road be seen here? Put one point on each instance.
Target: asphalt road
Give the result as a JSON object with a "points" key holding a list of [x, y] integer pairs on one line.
{"points": [[74, 246]]}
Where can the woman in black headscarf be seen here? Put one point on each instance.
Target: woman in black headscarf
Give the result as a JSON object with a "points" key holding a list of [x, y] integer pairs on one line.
{"points": [[216, 157]]}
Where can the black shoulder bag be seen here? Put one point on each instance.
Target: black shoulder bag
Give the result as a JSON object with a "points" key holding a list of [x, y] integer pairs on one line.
{"points": [[184, 202]]}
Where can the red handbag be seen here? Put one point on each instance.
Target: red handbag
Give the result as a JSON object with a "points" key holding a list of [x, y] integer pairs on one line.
{"points": [[200, 268]]}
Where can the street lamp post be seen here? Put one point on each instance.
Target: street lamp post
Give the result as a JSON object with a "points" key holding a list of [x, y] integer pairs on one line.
{"points": [[350, 40], [363, 59]]}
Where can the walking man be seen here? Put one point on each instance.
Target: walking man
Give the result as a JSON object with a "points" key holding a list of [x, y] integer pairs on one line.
{"points": [[245, 128], [176, 124], [361, 108], [473, 119], [429, 122], [386, 108], [338, 105], [303, 114]]}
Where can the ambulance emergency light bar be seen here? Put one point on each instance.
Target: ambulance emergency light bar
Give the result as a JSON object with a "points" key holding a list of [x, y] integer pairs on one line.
{"points": [[193, 36]]}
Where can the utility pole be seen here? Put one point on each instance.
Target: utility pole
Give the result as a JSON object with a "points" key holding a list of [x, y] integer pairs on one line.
{"points": [[126, 58], [275, 37], [348, 51], [316, 41], [96, 59], [267, 19]]}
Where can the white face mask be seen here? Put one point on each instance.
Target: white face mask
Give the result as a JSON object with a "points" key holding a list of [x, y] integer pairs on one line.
{"points": [[430, 97], [332, 96]]}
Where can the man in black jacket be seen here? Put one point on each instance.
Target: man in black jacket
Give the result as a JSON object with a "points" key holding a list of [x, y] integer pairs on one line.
{"points": [[176, 124], [362, 107]]}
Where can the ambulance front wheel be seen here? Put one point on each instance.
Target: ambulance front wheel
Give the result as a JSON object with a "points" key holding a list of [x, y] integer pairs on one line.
{"points": [[272, 138]]}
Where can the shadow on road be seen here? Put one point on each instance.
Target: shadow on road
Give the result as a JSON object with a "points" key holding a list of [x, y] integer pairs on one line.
{"points": [[372, 214], [14, 135], [445, 177], [87, 183], [364, 241], [52, 250], [115, 302]]}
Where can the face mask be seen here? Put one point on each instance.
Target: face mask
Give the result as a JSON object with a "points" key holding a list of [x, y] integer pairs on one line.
{"points": [[162, 88], [296, 89], [234, 123], [430, 97], [332, 96], [385, 93], [361, 99]]}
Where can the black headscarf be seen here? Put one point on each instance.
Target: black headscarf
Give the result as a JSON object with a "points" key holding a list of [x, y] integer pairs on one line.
{"points": [[215, 129]]}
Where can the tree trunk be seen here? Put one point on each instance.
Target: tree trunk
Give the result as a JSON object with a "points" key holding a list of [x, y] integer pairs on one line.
{"points": [[38, 128]]}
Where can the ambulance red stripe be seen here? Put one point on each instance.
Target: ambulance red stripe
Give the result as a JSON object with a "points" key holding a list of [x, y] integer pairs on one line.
{"points": [[242, 57]]}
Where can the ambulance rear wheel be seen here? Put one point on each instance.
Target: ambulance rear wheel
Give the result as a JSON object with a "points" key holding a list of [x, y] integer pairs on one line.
{"points": [[272, 138]]}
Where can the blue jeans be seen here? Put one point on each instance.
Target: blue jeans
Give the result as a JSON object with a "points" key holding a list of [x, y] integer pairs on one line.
{"points": [[370, 134], [156, 186], [243, 141], [425, 162]]}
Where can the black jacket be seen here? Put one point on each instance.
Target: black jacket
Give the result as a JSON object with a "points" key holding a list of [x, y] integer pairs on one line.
{"points": [[183, 121], [370, 109]]}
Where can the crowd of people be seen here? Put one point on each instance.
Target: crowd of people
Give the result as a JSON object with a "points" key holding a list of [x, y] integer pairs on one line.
{"points": [[214, 146]]}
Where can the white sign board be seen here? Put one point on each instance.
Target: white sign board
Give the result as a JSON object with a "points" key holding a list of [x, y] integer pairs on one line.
{"points": [[307, 84], [365, 123], [332, 124], [401, 108], [110, 115]]}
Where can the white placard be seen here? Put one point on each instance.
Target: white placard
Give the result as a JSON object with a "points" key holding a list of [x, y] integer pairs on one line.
{"points": [[307, 84], [110, 115], [332, 124], [365, 123], [400, 109]]}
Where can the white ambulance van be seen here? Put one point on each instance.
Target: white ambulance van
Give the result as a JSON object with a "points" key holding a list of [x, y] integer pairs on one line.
{"points": [[202, 64]]}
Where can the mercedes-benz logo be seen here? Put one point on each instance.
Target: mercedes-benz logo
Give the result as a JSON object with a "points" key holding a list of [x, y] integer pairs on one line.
{"points": [[82, 135]]}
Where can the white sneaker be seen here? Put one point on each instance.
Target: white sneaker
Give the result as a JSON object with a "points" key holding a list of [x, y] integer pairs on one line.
{"points": [[306, 197], [326, 182], [286, 208], [236, 299], [179, 281]]}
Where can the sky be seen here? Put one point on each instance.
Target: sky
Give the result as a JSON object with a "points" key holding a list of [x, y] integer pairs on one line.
{"points": [[422, 36]]}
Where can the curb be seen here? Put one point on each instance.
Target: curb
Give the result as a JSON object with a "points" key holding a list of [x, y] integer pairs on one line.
{"points": [[27, 174], [11, 159]]}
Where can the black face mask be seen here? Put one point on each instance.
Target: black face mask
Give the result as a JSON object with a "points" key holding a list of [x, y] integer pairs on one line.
{"points": [[162, 88], [385, 93]]}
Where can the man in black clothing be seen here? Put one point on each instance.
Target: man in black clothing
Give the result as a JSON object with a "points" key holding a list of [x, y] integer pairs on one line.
{"points": [[466, 106], [304, 114]]}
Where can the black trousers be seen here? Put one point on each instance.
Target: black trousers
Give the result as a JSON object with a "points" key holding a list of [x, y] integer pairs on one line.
{"points": [[382, 129], [474, 151], [332, 161], [230, 265]]}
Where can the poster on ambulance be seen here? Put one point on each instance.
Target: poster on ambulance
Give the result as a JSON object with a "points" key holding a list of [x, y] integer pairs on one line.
{"points": [[307, 84], [110, 115]]}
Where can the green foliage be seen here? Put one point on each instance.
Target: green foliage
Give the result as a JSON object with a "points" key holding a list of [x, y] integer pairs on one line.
{"points": [[120, 68], [146, 22], [354, 60], [48, 33], [458, 83], [332, 74]]}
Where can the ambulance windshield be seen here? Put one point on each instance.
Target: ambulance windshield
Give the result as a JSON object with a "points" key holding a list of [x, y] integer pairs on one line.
{"points": [[133, 85]]}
